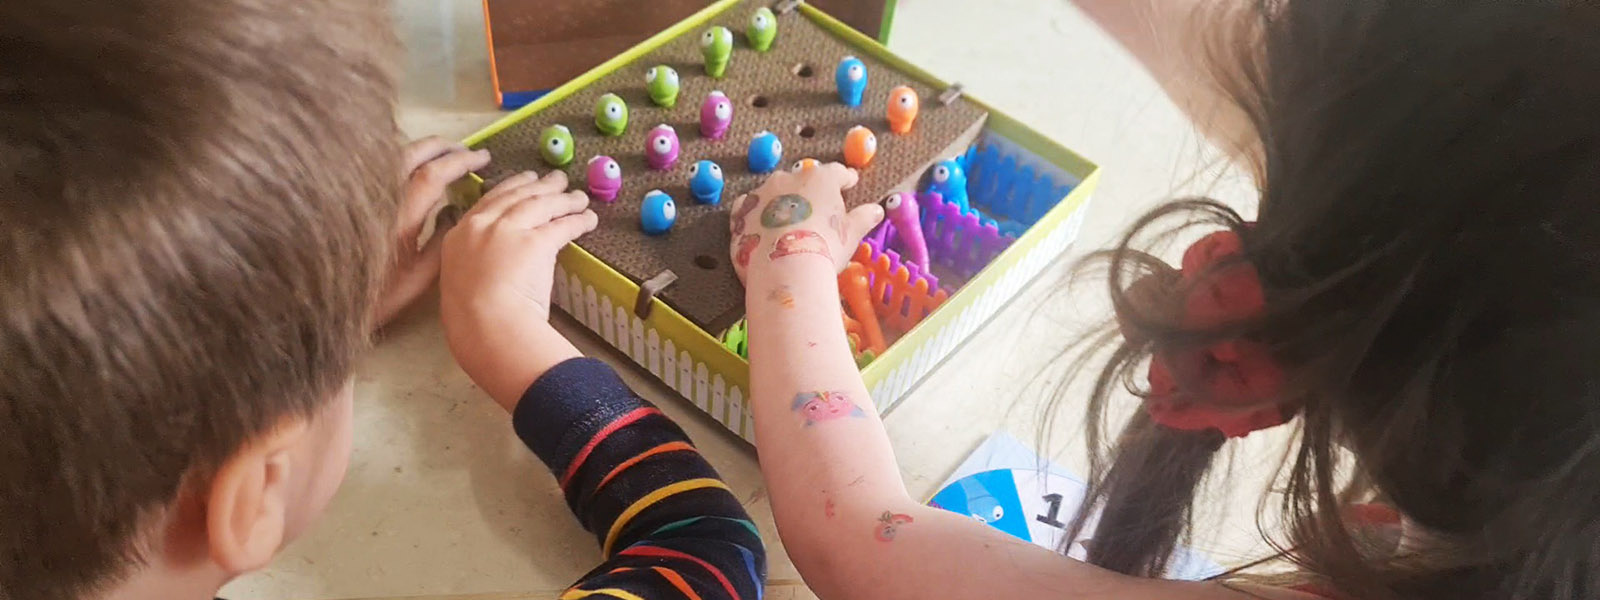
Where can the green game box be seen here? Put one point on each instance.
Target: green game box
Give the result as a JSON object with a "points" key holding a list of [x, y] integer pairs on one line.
{"points": [[674, 334]]}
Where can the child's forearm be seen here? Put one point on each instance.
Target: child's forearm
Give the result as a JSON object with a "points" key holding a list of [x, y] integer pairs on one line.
{"points": [[668, 525], [823, 449]]}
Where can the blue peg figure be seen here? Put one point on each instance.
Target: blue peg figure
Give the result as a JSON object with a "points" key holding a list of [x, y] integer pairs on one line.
{"points": [[657, 212], [705, 182], [948, 179], [851, 78], [765, 152]]}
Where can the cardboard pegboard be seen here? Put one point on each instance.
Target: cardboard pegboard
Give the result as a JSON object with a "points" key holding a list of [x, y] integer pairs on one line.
{"points": [[795, 83]]}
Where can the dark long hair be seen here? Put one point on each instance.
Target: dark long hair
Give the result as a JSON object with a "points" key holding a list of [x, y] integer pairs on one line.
{"points": [[1429, 244]]}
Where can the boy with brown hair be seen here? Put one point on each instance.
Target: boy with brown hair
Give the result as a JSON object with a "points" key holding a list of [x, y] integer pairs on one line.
{"points": [[198, 229]]}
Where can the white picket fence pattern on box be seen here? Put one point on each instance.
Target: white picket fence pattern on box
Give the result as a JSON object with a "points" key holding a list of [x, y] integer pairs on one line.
{"points": [[709, 392]]}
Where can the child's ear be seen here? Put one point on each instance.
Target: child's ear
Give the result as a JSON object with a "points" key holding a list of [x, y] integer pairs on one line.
{"points": [[248, 501]]}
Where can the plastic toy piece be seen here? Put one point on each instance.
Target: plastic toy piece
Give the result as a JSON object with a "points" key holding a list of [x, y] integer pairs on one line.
{"points": [[763, 29], [855, 284], [851, 77], [611, 115], [766, 151], [716, 44], [705, 182], [804, 164], [605, 178], [901, 292], [662, 82], [737, 339], [556, 146], [662, 150], [657, 212], [716, 115], [964, 240], [949, 180], [905, 213], [903, 107], [860, 145]]}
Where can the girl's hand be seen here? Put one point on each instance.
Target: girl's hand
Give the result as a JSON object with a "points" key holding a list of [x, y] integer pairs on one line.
{"points": [[800, 216], [494, 288]]}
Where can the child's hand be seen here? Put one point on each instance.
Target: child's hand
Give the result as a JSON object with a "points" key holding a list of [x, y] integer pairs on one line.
{"points": [[795, 216], [494, 297], [431, 164]]}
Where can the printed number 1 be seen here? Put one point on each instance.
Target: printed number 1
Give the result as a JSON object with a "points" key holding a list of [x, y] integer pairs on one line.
{"points": [[1049, 518]]}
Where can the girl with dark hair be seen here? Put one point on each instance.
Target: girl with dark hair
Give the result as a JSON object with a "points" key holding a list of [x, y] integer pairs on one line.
{"points": [[1419, 298]]}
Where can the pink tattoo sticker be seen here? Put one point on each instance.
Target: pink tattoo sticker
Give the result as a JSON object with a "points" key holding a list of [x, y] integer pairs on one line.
{"points": [[821, 407], [889, 526], [742, 208], [800, 241], [747, 246]]}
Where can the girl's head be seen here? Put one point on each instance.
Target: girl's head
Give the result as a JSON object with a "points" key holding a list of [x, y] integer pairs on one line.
{"points": [[1428, 246]]}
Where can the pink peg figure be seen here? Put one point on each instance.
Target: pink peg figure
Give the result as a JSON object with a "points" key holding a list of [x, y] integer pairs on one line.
{"points": [[662, 152], [605, 178], [905, 213], [716, 115]]}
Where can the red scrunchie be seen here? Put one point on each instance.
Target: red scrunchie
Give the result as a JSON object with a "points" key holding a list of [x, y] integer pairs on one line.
{"points": [[1238, 382]]}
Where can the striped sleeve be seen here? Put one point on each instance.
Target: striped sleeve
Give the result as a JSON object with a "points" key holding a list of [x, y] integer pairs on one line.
{"points": [[667, 524]]}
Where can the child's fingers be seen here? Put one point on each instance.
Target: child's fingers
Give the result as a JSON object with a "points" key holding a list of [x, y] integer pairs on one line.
{"points": [[845, 176], [570, 227], [860, 221], [500, 199], [509, 185], [421, 151], [537, 211], [437, 174]]}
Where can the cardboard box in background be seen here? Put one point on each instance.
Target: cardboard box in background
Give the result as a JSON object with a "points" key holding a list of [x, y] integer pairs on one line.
{"points": [[537, 45]]}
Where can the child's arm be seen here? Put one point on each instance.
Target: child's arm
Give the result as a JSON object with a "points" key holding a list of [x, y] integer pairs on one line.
{"points": [[842, 509], [667, 524]]}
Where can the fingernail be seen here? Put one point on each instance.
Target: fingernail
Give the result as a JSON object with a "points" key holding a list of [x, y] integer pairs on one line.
{"points": [[482, 152]]}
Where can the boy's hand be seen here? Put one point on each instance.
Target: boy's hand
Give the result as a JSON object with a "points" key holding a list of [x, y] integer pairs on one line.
{"points": [[494, 290], [801, 216], [431, 165]]}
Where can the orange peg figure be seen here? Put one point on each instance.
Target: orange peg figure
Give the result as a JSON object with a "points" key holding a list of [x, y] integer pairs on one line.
{"points": [[860, 145], [856, 287], [903, 107]]}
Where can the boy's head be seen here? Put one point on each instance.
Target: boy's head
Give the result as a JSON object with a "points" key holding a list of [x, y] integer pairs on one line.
{"points": [[194, 198]]}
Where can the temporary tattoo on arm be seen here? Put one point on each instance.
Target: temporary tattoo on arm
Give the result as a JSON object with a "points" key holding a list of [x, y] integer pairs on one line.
{"points": [[782, 296], [889, 525], [742, 208], [747, 246], [800, 241], [786, 210], [820, 407]]}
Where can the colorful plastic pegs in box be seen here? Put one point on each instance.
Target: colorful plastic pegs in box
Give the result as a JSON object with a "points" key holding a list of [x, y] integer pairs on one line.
{"points": [[851, 79], [705, 182], [662, 84], [605, 178], [766, 151], [661, 150], [657, 212], [716, 115]]}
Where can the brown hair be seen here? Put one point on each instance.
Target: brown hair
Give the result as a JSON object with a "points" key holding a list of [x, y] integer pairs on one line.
{"points": [[1429, 248], [194, 198]]}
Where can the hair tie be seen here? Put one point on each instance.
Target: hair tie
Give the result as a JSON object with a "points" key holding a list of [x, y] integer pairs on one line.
{"points": [[1235, 383]]}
